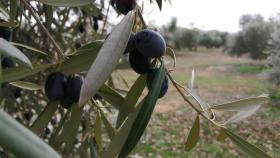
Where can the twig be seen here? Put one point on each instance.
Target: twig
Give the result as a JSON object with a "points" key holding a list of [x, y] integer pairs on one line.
{"points": [[141, 18], [36, 17], [187, 100], [105, 21]]}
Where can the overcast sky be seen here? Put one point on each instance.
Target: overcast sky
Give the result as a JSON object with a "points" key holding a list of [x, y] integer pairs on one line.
{"points": [[210, 14]]}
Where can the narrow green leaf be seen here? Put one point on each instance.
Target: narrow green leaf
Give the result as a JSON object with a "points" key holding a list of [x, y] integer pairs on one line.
{"points": [[29, 48], [242, 105], [27, 85], [107, 58], [13, 10], [245, 146], [97, 131], [70, 131], [111, 96], [118, 141], [144, 114], [193, 136], [84, 58], [201, 103], [108, 126], [221, 136], [8, 49], [4, 10], [241, 115], [92, 47], [66, 3], [53, 139], [20, 72], [44, 118], [93, 151], [159, 2], [131, 99], [11, 24], [20, 141]]}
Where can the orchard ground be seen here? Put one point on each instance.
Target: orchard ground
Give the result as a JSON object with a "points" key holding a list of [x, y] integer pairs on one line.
{"points": [[219, 78]]}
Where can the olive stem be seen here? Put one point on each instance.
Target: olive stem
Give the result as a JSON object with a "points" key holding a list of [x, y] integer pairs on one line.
{"points": [[45, 30], [105, 21], [177, 86]]}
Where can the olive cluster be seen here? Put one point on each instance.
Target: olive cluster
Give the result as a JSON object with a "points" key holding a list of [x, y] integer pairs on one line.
{"points": [[66, 90], [5, 32], [142, 48]]}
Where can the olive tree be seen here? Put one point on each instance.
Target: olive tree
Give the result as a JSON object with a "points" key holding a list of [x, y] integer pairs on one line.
{"points": [[64, 68], [253, 37], [272, 72]]}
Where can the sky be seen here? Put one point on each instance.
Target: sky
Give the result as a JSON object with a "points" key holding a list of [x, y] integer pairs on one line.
{"points": [[209, 14]]}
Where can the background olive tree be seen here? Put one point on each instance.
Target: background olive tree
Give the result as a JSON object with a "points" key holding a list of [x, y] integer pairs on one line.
{"points": [[253, 37]]}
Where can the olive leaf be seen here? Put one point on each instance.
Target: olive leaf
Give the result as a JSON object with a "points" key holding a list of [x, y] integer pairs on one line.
{"points": [[144, 115], [108, 126], [131, 99], [26, 85], [97, 131], [111, 96], [22, 142], [70, 128], [20, 72], [44, 118], [241, 115], [159, 2], [65, 3], [93, 151], [107, 58], [8, 49], [13, 10], [4, 10], [12, 24], [83, 57], [193, 136], [69, 134], [242, 105], [118, 141], [29, 48], [245, 146]]}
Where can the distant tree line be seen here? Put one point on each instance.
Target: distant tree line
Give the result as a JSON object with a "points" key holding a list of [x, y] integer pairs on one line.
{"points": [[252, 39], [191, 38], [258, 37]]}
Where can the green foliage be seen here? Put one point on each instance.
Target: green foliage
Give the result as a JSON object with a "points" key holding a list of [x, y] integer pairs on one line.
{"points": [[191, 38], [272, 72], [253, 37]]}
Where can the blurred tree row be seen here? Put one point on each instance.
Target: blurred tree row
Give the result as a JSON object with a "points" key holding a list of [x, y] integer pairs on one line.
{"points": [[258, 37], [252, 38], [191, 38]]}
